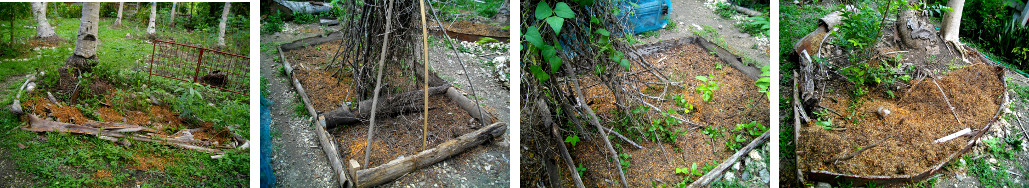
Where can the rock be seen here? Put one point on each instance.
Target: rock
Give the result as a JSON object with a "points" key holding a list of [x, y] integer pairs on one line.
{"points": [[745, 175], [823, 185], [736, 166], [993, 160], [754, 155], [764, 175], [697, 27], [743, 35], [128, 35], [729, 176]]}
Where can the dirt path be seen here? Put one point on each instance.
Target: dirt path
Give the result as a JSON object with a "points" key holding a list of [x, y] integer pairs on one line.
{"points": [[687, 13], [297, 159], [10, 175]]}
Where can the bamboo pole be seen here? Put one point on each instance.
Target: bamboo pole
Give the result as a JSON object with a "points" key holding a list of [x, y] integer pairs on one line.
{"points": [[425, 53]]}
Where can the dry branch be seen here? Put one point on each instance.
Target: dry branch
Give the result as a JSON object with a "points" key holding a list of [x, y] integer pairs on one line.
{"points": [[548, 122], [40, 125], [948, 102], [378, 83], [855, 153], [716, 173], [396, 168]]}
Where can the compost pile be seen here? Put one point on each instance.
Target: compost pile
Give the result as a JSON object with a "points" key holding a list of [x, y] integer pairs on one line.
{"points": [[884, 123]]}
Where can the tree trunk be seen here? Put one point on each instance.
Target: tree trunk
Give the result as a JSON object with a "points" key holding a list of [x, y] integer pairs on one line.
{"points": [[86, 41], [221, 26], [173, 10], [952, 20], [43, 29], [117, 22], [151, 29], [1025, 10]]}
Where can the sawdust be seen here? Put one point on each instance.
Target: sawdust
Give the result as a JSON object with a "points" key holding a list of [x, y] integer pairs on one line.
{"points": [[152, 162], [917, 119], [737, 101], [474, 28]]}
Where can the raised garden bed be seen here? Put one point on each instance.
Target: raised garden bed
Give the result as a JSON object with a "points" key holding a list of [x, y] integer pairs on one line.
{"points": [[705, 133], [397, 145], [895, 131]]}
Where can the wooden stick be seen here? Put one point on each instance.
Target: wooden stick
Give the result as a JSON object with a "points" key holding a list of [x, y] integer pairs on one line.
{"points": [[378, 84], [623, 138], [36, 124], [796, 124], [717, 172], [948, 102], [398, 167], [954, 135], [855, 153], [603, 135], [425, 51], [542, 106]]}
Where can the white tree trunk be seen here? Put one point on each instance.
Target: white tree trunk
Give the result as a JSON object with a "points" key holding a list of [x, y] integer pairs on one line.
{"points": [[1024, 17], [43, 28], [221, 26], [952, 20], [86, 41], [173, 10], [117, 22], [151, 29]]}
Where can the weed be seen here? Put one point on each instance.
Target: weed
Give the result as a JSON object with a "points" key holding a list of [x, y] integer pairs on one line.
{"points": [[572, 139], [624, 161], [682, 103], [707, 87]]}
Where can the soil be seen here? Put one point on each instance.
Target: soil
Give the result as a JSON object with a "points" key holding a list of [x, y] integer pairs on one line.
{"points": [[737, 101], [688, 13], [917, 119]]}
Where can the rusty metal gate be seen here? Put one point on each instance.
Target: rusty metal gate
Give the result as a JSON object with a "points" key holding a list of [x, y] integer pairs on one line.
{"points": [[217, 69]]}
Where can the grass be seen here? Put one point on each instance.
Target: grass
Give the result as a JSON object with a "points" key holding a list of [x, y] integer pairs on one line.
{"points": [[68, 160]]}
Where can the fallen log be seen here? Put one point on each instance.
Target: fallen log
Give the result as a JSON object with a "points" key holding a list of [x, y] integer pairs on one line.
{"points": [[16, 106], [398, 167], [716, 173]]}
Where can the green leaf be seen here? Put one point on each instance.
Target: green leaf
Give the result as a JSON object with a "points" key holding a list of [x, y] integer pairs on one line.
{"points": [[603, 31], [556, 23], [625, 63], [562, 10], [572, 139], [586, 2], [533, 36], [538, 72], [543, 10], [682, 170], [701, 78], [707, 96]]}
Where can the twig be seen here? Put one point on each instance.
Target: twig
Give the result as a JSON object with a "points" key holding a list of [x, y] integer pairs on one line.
{"points": [[542, 106], [623, 138], [948, 102], [378, 84], [855, 153]]}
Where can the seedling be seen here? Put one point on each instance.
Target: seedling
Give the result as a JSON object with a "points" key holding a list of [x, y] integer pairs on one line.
{"points": [[707, 87], [572, 139]]}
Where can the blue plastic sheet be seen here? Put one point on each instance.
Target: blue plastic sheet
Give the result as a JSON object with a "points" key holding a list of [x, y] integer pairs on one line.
{"points": [[646, 15], [267, 174]]}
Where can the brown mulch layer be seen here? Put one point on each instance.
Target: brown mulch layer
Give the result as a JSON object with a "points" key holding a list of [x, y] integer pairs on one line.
{"points": [[735, 102], [327, 91], [474, 28], [400, 136], [917, 119]]}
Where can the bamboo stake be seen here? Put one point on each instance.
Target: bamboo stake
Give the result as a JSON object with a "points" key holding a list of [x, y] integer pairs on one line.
{"points": [[948, 102], [425, 53]]}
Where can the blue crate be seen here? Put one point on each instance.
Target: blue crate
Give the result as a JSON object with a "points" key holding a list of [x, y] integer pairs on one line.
{"points": [[648, 15]]}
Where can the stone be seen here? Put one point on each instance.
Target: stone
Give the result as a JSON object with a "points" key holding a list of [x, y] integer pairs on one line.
{"points": [[993, 160], [755, 155], [736, 166], [729, 176], [823, 185]]}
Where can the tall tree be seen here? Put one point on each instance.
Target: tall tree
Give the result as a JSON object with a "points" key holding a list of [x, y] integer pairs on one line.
{"points": [[117, 22], [173, 10], [13, 11], [85, 43], [221, 26], [151, 29], [952, 20]]}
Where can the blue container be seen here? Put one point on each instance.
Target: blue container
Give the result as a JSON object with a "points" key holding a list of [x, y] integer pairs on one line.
{"points": [[267, 174], [646, 15]]}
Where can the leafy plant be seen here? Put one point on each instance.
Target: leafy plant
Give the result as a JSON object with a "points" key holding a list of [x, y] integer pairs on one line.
{"points": [[624, 161], [572, 139], [757, 25], [581, 170], [765, 81], [681, 102], [707, 87], [753, 128]]}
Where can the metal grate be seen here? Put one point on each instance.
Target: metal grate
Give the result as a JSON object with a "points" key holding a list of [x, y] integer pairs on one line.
{"points": [[217, 69]]}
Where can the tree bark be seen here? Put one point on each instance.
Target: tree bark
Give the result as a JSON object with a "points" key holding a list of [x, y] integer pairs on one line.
{"points": [[151, 29], [221, 26], [85, 43], [117, 22], [952, 20], [716, 173], [44, 31], [396, 168], [1025, 17], [173, 10]]}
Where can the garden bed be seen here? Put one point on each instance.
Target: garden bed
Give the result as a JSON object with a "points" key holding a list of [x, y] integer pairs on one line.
{"points": [[704, 139], [398, 132], [893, 129]]}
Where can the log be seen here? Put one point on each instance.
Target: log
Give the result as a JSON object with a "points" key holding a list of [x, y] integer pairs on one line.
{"points": [[746, 11], [542, 106], [327, 145], [716, 173], [469, 106], [394, 169], [16, 106]]}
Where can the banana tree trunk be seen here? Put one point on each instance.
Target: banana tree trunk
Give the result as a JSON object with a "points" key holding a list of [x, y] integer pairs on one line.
{"points": [[151, 29], [43, 29], [117, 22], [173, 10], [1024, 17], [221, 26], [86, 41], [952, 20]]}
